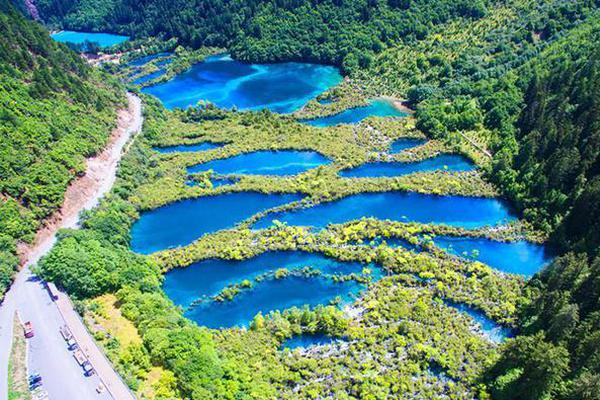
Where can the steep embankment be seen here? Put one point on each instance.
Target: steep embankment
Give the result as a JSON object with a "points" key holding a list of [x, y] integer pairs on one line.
{"points": [[55, 112]]}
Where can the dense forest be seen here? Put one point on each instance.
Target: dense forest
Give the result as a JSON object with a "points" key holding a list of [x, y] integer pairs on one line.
{"points": [[55, 112], [521, 76], [346, 33]]}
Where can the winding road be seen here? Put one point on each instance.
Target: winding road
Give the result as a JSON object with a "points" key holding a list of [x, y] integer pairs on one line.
{"points": [[48, 355]]}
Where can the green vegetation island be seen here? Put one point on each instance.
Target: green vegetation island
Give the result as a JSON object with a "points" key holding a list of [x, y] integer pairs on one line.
{"points": [[327, 199]]}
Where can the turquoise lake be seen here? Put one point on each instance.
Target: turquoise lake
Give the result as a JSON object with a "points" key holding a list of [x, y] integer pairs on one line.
{"points": [[207, 278], [101, 39], [149, 77], [138, 62], [444, 162], [404, 144], [202, 146], [282, 88], [490, 329], [521, 257], [467, 212], [285, 162], [180, 223], [377, 108]]}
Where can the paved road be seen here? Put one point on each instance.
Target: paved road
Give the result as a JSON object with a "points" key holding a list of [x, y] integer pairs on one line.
{"points": [[47, 352]]}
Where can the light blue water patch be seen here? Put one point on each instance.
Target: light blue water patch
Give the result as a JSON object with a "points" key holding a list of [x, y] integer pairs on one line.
{"points": [[444, 162], [209, 277], [101, 39], [147, 78], [282, 88], [270, 295], [467, 212], [202, 146], [305, 341], [521, 257], [180, 223], [404, 144], [377, 108], [146, 59], [285, 162], [490, 329]]}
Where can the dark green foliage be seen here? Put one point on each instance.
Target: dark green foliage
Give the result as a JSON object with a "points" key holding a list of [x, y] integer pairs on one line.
{"points": [[343, 32], [55, 112]]}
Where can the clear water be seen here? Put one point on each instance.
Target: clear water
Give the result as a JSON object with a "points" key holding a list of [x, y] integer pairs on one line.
{"points": [[490, 329], [270, 295], [305, 341], [377, 108], [325, 101], [281, 88], [101, 39], [444, 162], [520, 257], [149, 77], [285, 162], [467, 212], [188, 147], [209, 277], [138, 62], [404, 144], [180, 223]]}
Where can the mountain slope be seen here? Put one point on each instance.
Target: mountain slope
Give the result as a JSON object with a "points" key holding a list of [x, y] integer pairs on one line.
{"points": [[55, 112]]}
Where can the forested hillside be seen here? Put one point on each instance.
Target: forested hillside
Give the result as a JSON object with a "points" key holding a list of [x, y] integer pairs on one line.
{"points": [[520, 78], [343, 32], [55, 112]]}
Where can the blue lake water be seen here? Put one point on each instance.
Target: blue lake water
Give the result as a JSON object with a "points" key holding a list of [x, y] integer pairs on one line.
{"points": [[444, 162], [138, 62], [467, 212], [209, 277], [202, 146], [490, 329], [377, 108], [181, 223], [270, 295], [264, 163], [102, 39], [304, 341], [149, 77], [281, 88], [520, 257], [404, 144]]}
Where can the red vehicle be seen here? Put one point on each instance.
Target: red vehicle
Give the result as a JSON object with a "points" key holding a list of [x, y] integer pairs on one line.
{"points": [[28, 329]]}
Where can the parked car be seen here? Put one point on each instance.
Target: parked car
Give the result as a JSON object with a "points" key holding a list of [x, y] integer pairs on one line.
{"points": [[28, 329]]}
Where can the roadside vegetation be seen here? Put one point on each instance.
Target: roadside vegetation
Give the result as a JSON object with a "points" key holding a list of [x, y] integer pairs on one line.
{"points": [[18, 384], [56, 111]]}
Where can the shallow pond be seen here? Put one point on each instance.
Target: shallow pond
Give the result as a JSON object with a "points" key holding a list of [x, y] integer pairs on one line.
{"points": [[286, 162], [377, 108], [149, 77], [138, 62], [282, 88], [306, 340], [101, 39], [180, 223], [490, 329], [519, 257], [444, 162], [209, 277], [202, 146], [467, 212], [404, 144]]}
